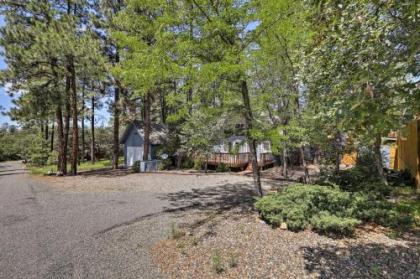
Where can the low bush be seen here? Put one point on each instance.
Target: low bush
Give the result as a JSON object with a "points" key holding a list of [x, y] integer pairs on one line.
{"points": [[329, 209], [187, 163], [136, 166], [222, 168], [297, 205], [325, 222], [356, 179], [198, 164], [165, 164], [400, 178]]}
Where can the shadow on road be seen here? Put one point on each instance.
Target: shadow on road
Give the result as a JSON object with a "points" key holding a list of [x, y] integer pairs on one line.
{"points": [[219, 198]]}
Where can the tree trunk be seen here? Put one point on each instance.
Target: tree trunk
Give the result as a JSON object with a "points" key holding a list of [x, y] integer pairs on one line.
{"points": [[252, 142], [46, 130], [75, 129], [66, 124], [61, 167], [52, 137], [162, 106], [338, 152], [378, 159], [316, 155], [146, 126], [92, 131], [285, 162], [82, 119], [116, 144], [305, 167]]}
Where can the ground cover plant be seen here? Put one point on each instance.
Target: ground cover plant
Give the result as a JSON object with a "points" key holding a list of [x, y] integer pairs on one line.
{"points": [[330, 209]]}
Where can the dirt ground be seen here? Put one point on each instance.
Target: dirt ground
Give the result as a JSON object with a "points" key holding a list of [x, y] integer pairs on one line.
{"points": [[240, 245]]}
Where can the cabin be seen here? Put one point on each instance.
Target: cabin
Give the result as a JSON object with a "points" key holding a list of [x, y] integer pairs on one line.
{"points": [[133, 140], [235, 152]]}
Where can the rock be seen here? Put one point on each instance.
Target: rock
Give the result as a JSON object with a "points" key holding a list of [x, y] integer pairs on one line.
{"points": [[283, 226]]}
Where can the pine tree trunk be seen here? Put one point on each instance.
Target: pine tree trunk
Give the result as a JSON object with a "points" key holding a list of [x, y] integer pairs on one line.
{"points": [[285, 162], [252, 142], [378, 159], [162, 106], [305, 167], [82, 119], [52, 137], [116, 146], [92, 131], [338, 152], [46, 130], [66, 124], [146, 126], [316, 155], [75, 129], [61, 142]]}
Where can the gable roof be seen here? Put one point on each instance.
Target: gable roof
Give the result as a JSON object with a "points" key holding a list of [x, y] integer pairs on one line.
{"points": [[158, 134]]}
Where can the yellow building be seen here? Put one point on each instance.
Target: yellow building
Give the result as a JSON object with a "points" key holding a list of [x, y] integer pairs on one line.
{"points": [[408, 150]]}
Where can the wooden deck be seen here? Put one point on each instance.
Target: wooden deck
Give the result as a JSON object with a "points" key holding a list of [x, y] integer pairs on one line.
{"points": [[240, 160]]}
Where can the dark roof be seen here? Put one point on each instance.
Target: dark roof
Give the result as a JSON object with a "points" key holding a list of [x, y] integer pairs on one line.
{"points": [[158, 135]]}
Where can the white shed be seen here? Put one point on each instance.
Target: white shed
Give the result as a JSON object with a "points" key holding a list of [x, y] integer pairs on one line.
{"points": [[133, 140]]}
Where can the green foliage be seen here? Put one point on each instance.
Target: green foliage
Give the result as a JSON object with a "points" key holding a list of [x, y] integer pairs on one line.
{"points": [[136, 166], [165, 164], [222, 167], [400, 178], [198, 164], [329, 209], [325, 223], [187, 163], [217, 261], [297, 205]]}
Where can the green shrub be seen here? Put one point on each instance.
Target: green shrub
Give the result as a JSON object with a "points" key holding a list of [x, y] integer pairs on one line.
{"points": [[329, 209], [222, 167], [165, 164], [356, 179], [298, 204], [398, 178], [136, 166], [198, 164], [187, 163], [325, 222]]}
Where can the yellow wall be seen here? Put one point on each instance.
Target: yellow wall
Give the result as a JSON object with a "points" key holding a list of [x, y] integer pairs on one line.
{"points": [[408, 150]]}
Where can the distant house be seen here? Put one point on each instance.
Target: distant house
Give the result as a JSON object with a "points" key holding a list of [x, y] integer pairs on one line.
{"points": [[133, 140], [236, 153]]}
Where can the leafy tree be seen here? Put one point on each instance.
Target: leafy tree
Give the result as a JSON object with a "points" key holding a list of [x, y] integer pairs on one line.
{"points": [[361, 67]]}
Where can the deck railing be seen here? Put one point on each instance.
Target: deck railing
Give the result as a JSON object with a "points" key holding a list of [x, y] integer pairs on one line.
{"points": [[238, 160]]}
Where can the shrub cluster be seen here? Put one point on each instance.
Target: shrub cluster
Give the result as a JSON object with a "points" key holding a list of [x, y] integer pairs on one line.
{"points": [[136, 166], [222, 167], [328, 209]]}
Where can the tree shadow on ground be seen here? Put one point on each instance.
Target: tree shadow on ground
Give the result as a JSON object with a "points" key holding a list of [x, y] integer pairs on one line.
{"points": [[363, 261], [220, 198], [106, 172]]}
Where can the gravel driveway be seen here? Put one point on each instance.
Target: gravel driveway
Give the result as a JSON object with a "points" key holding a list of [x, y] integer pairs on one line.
{"points": [[98, 226]]}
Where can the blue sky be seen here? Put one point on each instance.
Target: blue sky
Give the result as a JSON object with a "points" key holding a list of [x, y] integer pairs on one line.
{"points": [[5, 100]]}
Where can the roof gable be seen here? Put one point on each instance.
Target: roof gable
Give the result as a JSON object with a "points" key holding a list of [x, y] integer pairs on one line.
{"points": [[158, 133]]}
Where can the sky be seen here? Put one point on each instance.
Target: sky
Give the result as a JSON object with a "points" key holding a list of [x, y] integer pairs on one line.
{"points": [[5, 100]]}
